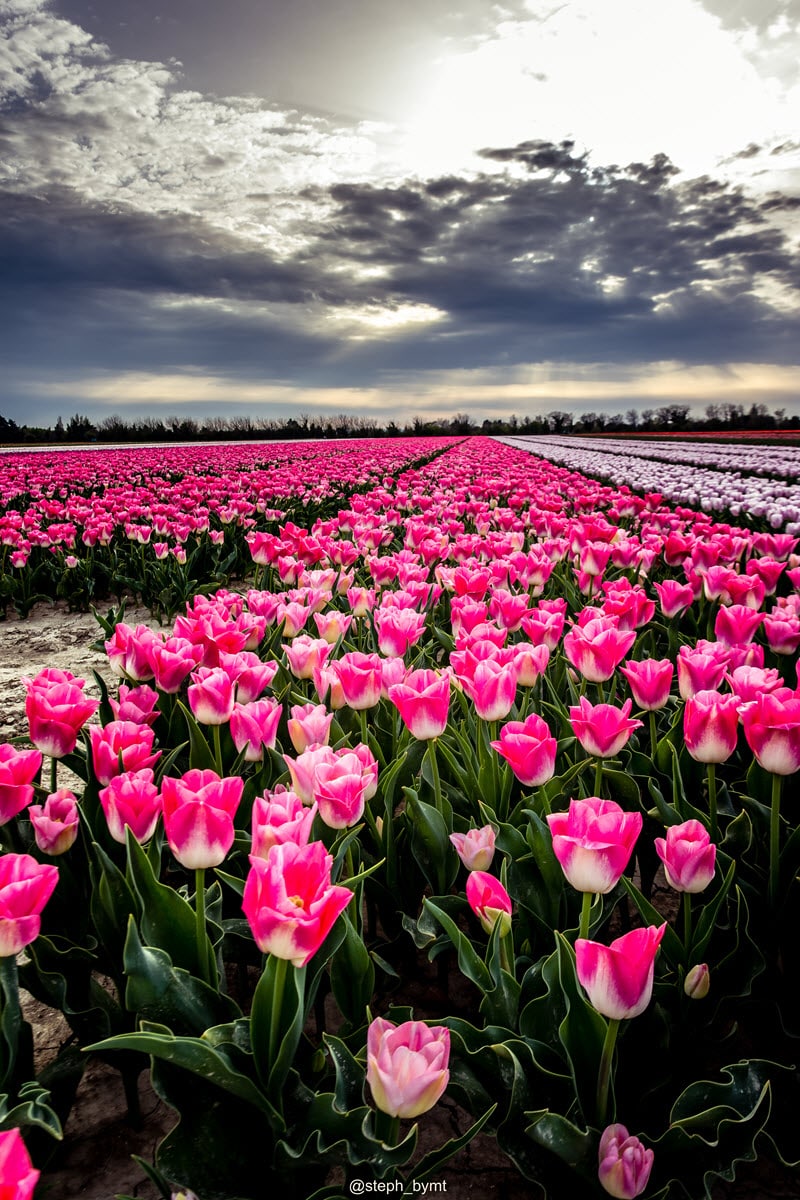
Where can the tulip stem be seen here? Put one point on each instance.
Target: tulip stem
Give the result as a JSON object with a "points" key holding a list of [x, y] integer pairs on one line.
{"points": [[217, 749], [281, 970], [586, 913], [53, 774], [11, 1014], [200, 923], [653, 736], [774, 838], [437, 782], [506, 959], [598, 777], [387, 1128], [687, 923], [604, 1074], [712, 800]]}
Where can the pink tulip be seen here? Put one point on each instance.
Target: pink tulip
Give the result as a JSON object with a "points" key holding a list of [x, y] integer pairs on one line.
{"points": [[650, 680], [407, 1066], [423, 701], [278, 817], [475, 848], [129, 650], [688, 856], [56, 710], [360, 678], [248, 673], [211, 695], [332, 625], [135, 704], [602, 729], [772, 729], [544, 628], [619, 978], [198, 816], [290, 902], [398, 628], [736, 624], [593, 841], [18, 769], [339, 791], [303, 770], [490, 901], [25, 888], [625, 1165], [56, 822], [597, 648], [121, 746], [172, 660], [131, 800], [309, 725], [700, 670], [492, 688], [748, 683], [710, 726], [530, 662], [18, 1176], [305, 654], [782, 631], [674, 597], [369, 768], [529, 749], [254, 727]]}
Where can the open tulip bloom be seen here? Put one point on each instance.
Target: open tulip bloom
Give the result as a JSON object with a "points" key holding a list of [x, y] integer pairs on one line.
{"points": [[407, 1066]]}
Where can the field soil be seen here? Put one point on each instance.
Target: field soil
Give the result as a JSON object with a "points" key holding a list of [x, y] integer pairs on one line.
{"points": [[94, 1162]]}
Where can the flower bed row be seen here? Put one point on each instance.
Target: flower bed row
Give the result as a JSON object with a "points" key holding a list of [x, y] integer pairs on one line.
{"points": [[468, 719], [708, 478]]}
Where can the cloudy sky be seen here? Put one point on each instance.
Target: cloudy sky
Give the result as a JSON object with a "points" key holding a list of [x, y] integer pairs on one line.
{"points": [[397, 207]]}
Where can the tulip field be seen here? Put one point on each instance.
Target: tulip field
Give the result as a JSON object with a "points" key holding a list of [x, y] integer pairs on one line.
{"points": [[515, 719]]}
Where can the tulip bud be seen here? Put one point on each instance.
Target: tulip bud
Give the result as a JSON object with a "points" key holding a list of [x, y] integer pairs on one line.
{"points": [[625, 1165], [697, 982]]}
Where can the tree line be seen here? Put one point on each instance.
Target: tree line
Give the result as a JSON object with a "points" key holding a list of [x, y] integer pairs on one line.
{"points": [[669, 418]]}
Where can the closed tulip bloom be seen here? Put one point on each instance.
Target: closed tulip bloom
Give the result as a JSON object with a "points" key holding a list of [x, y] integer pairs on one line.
{"points": [[529, 749], [278, 817], [710, 726], [398, 628], [674, 597], [492, 688], [131, 800], [290, 903], [618, 979], [625, 1165], [56, 822], [688, 856], [18, 769], [490, 901], [211, 695], [303, 769], [18, 1176], [129, 650], [332, 625], [593, 841], [602, 729], [407, 1066], [56, 712], [172, 660], [339, 791], [121, 746], [650, 680], [135, 704], [249, 674], [254, 727], [360, 678], [700, 670], [25, 888], [782, 631], [475, 848], [597, 648], [305, 654], [309, 725], [530, 661], [369, 768], [423, 701], [736, 624], [198, 816], [772, 729], [697, 983]]}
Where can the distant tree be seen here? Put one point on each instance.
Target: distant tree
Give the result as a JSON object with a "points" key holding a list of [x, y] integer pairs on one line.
{"points": [[80, 429]]}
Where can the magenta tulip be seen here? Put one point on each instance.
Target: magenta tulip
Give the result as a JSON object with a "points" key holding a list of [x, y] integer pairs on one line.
{"points": [[602, 729], [56, 822], [211, 695], [423, 701], [290, 902], [18, 769], [278, 817], [198, 816], [407, 1066], [529, 749], [688, 856], [625, 1165], [772, 729], [57, 710], [18, 1176], [121, 746], [650, 680], [25, 888], [254, 727], [131, 800], [597, 648], [593, 841], [619, 978], [710, 726], [490, 901]]}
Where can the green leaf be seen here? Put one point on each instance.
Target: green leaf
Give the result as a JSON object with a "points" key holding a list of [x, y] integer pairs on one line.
{"points": [[201, 756], [470, 964], [352, 975], [167, 920]]}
